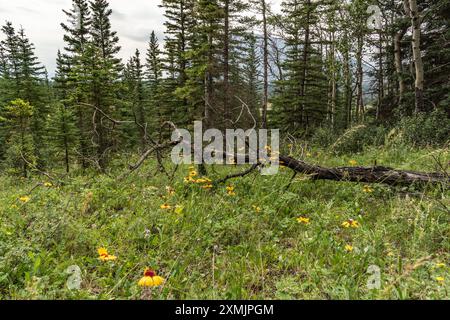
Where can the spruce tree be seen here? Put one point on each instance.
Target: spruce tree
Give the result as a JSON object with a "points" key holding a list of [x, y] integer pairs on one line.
{"points": [[62, 128], [76, 38], [104, 71]]}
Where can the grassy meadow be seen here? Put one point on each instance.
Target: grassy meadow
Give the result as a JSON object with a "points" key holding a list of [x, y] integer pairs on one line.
{"points": [[257, 237]]}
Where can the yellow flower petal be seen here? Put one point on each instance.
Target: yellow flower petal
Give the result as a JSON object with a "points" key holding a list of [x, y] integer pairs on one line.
{"points": [[146, 282], [157, 281], [24, 199], [102, 251], [303, 220]]}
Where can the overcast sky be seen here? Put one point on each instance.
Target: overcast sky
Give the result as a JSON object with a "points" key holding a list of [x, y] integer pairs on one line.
{"points": [[132, 19]]}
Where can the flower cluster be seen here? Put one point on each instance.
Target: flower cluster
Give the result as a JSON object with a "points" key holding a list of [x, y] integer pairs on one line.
{"points": [[230, 191], [367, 189], [24, 199], [104, 255], [150, 278], [350, 223], [204, 181], [303, 220], [348, 248], [256, 208]]}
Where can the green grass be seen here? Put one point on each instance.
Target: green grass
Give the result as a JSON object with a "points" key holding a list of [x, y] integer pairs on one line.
{"points": [[216, 246]]}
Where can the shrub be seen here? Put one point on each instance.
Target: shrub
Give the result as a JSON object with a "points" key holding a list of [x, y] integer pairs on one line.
{"points": [[426, 129]]}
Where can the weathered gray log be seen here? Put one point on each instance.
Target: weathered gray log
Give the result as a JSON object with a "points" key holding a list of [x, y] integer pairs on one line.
{"points": [[377, 174]]}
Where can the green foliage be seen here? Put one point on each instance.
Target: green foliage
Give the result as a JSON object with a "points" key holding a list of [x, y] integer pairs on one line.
{"points": [[426, 129], [210, 245], [352, 140], [20, 154]]}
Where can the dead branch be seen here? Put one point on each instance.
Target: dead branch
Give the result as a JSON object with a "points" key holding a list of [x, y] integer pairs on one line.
{"points": [[376, 174], [146, 154], [238, 175]]}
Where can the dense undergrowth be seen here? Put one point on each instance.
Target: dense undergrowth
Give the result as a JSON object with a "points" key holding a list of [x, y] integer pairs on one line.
{"points": [[241, 243]]}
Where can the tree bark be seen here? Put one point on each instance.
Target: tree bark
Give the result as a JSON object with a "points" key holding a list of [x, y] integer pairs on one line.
{"points": [[417, 55], [226, 62], [266, 65], [398, 63], [360, 76], [376, 174]]}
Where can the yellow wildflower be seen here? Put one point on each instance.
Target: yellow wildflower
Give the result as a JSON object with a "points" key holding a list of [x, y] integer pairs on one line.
{"points": [[353, 162], [350, 223], [230, 191], [179, 209], [48, 184], [367, 189], [440, 279], [303, 220], [440, 265], [150, 279], [192, 173], [165, 206], [104, 255], [256, 208], [348, 248], [207, 186], [24, 199]]}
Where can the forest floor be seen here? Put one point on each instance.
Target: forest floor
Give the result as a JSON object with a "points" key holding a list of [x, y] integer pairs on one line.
{"points": [[255, 240]]}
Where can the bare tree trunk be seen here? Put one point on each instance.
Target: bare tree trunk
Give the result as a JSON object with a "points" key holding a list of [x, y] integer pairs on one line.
{"points": [[360, 76], [266, 65], [398, 64], [304, 63], [418, 63], [226, 62], [380, 75], [208, 84]]}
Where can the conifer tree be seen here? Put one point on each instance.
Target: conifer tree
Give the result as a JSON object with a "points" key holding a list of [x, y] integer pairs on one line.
{"points": [[134, 75], [154, 77], [62, 126], [179, 23], [104, 70], [76, 38]]}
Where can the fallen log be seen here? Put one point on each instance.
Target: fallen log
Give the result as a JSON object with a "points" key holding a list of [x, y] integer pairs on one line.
{"points": [[377, 174]]}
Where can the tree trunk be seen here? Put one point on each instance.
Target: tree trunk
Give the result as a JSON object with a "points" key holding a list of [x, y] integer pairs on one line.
{"points": [[417, 55], [360, 76], [364, 174], [266, 65], [226, 62], [380, 75], [398, 64], [304, 64]]}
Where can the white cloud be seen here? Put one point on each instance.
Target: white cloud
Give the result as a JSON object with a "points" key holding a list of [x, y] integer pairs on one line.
{"points": [[132, 19]]}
